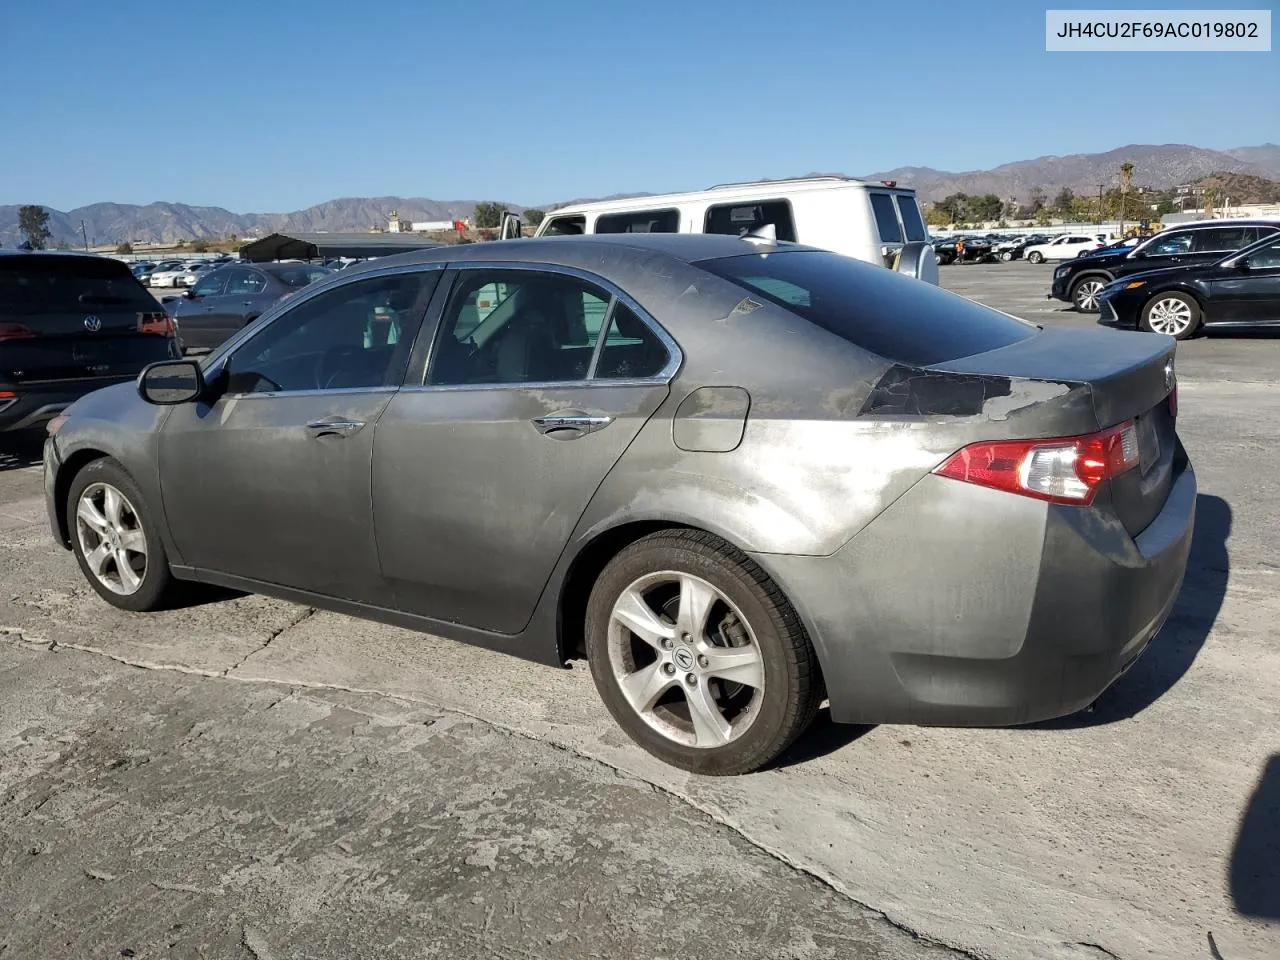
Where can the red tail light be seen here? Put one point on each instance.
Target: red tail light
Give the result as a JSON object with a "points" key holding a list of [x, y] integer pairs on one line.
{"points": [[1060, 469], [7, 394], [16, 331], [159, 324]]}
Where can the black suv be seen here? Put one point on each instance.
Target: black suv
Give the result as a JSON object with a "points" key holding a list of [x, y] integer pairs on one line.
{"points": [[1080, 281], [69, 324]]}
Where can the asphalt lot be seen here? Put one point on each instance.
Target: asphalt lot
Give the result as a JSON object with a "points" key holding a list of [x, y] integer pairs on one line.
{"points": [[252, 779]]}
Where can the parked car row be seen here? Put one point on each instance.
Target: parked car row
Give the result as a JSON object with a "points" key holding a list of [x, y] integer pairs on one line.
{"points": [[1035, 247], [175, 273], [1182, 280]]}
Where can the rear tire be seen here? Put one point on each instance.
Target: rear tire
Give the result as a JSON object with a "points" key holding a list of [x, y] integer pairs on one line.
{"points": [[1035, 256], [1173, 313], [115, 540], [1006, 256], [698, 655]]}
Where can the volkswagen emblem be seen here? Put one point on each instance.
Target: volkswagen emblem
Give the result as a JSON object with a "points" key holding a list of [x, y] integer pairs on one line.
{"points": [[93, 324], [683, 658], [1168, 375]]}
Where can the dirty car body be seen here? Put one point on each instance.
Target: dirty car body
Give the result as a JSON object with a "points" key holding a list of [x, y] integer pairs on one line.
{"points": [[876, 448]]}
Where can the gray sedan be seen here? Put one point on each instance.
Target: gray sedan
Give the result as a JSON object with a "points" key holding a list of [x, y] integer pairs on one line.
{"points": [[230, 297], [740, 478]]}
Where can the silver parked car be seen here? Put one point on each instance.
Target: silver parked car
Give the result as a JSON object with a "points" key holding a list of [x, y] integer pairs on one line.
{"points": [[739, 477]]}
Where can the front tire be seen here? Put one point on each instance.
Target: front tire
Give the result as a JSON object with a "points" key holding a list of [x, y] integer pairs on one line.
{"points": [[1174, 314], [1084, 294], [115, 540], [699, 656], [1006, 256], [1035, 256]]}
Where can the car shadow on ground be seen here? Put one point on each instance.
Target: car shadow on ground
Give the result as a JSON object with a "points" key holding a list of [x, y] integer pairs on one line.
{"points": [[19, 450], [1174, 650], [823, 737], [1255, 862]]}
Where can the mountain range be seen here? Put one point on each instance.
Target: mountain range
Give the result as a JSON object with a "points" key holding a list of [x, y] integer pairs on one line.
{"points": [[1156, 166]]}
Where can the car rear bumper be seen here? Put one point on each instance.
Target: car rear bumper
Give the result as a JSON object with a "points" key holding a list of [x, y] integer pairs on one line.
{"points": [[37, 404], [963, 606]]}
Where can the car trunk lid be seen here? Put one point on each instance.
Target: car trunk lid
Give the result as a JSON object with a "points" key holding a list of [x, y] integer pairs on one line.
{"points": [[1129, 377]]}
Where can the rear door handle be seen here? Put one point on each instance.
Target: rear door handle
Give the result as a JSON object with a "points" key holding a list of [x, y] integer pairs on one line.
{"points": [[334, 427], [567, 426]]}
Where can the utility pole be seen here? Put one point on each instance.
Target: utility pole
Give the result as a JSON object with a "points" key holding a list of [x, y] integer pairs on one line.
{"points": [[1099, 203], [85, 235]]}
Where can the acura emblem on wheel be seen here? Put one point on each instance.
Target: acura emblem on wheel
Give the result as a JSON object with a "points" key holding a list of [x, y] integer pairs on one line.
{"points": [[93, 324]]}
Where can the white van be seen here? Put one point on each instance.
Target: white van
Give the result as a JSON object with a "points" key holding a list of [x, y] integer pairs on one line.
{"points": [[858, 218]]}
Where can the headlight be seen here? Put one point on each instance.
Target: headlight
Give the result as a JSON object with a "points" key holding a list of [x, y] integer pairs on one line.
{"points": [[1134, 285], [1062, 271]]}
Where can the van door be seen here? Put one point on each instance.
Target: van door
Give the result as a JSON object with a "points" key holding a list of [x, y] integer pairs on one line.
{"points": [[890, 229]]}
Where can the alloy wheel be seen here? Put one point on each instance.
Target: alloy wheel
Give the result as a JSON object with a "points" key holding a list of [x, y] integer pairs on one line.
{"points": [[1171, 316], [1087, 295], [111, 538], [685, 659]]}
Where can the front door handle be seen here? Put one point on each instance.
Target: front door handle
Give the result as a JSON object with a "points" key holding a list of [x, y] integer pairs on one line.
{"points": [[567, 426], [334, 427]]}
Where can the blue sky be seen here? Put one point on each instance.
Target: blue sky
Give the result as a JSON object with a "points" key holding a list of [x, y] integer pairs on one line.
{"points": [[278, 105]]}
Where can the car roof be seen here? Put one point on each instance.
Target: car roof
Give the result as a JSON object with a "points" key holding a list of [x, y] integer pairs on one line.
{"points": [[581, 251]]}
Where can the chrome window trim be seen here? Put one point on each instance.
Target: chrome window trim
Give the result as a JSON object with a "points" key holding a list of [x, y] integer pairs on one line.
{"points": [[675, 356], [337, 391]]}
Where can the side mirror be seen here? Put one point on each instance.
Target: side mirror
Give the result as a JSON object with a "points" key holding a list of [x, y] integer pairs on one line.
{"points": [[1242, 264], [171, 381]]}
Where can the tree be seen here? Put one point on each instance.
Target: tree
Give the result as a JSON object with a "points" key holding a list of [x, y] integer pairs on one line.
{"points": [[33, 221], [1164, 207], [935, 216], [1064, 202], [488, 214], [986, 207], [124, 247], [534, 217], [956, 207], [180, 244], [200, 246]]}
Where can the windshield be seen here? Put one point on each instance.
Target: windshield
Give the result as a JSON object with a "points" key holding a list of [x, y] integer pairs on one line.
{"points": [[891, 315]]}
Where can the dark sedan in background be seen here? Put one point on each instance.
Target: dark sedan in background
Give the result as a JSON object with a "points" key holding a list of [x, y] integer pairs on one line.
{"points": [[229, 298], [1241, 289]]}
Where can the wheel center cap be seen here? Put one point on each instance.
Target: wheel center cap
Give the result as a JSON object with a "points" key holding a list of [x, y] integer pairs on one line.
{"points": [[683, 658]]}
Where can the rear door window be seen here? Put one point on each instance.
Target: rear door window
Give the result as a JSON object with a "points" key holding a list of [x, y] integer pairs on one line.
{"points": [[244, 282], [639, 221], [912, 222], [737, 219], [896, 317], [886, 218], [1222, 239]]}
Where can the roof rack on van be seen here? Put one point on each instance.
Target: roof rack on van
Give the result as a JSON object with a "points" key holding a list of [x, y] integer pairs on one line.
{"points": [[763, 183]]}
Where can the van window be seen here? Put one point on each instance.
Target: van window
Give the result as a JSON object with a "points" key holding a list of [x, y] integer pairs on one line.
{"points": [[565, 226], [886, 218], [893, 316], [736, 219], [911, 219], [639, 221]]}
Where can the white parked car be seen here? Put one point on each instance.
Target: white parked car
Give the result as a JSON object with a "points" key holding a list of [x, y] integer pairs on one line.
{"points": [[867, 220], [169, 278], [1065, 247]]}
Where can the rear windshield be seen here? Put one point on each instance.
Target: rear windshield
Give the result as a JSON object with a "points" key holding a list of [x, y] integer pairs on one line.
{"points": [[54, 284], [891, 315], [301, 276]]}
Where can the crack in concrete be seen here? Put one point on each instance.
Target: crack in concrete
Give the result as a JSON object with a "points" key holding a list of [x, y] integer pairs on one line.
{"points": [[711, 813], [306, 613]]}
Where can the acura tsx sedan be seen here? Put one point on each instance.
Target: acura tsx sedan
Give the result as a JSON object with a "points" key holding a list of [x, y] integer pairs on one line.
{"points": [[740, 477]]}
